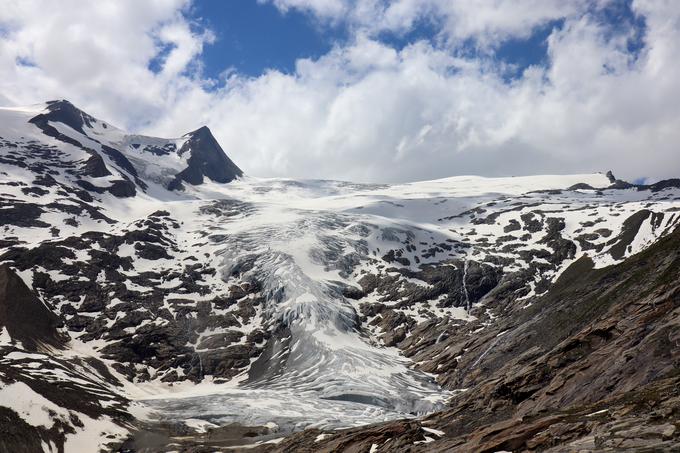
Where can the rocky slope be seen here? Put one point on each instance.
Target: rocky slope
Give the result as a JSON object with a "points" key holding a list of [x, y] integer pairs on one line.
{"points": [[592, 365], [151, 296]]}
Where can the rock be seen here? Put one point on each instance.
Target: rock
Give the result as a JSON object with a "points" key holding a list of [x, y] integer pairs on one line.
{"points": [[513, 225], [227, 362], [220, 340], [631, 226], [206, 159], [95, 167], [22, 215], [151, 251], [122, 189], [25, 317]]}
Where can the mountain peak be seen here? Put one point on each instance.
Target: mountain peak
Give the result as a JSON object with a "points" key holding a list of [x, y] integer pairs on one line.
{"points": [[63, 111], [207, 158], [60, 103], [201, 151], [201, 131]]}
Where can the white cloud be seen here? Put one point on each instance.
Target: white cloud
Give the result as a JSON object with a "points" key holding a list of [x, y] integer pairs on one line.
{"points": [[488, 22], [325, 9], [366, 111], [97, 54]]}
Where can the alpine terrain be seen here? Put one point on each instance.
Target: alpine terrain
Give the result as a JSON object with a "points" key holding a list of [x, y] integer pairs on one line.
{"points": [[154, 298]]}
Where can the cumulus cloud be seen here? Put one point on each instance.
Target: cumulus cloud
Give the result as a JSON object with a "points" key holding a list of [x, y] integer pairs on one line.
{"points": [[368, 111], [488, 22], [98, 54], [324, 9]]}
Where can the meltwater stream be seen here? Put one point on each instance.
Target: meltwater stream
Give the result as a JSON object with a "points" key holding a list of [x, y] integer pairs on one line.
{"points": [[319, 369]]}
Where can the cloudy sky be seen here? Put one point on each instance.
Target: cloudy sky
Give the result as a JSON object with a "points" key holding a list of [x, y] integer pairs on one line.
{"points": [[369, 90]]}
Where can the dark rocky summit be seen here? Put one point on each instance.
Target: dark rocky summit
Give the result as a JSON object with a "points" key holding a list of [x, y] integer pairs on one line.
{"points": [[206, 158], [63, 112]]}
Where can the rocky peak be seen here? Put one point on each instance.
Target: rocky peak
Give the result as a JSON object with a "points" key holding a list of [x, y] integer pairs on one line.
{"points": [[202, 136], [207, 158], [610, 176], [618, 183], [62, 111]]}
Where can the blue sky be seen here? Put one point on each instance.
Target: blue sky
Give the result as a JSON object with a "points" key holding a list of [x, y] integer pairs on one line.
{"points": [[252, 37], [369, 90]]}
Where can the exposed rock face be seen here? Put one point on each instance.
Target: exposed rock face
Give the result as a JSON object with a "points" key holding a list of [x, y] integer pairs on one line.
{"points": [[63, 397], [65, 113], [24, 316], [397, 436], [62, 111], [95, 167], [206, 159], [88, 310]]}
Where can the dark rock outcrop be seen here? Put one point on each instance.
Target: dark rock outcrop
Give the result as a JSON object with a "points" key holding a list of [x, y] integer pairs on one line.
{"points": [[665, 184], [206, 159], [62, 111], [24, 316], [122, 188], [611, 177], [95, 167], [66, 113]]}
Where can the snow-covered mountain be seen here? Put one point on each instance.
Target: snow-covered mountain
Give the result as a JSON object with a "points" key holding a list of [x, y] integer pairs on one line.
{"points": [[148, 282]]}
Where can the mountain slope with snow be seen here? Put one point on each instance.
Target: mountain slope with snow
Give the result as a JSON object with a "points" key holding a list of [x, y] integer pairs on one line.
{"points": [[186, 292]]}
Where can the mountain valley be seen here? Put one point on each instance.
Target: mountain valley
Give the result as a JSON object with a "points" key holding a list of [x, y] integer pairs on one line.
{"points": [[153, 297]]}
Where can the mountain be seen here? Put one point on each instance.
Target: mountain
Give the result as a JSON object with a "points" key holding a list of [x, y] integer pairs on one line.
{"points": [[153, 297], [90, 154]]}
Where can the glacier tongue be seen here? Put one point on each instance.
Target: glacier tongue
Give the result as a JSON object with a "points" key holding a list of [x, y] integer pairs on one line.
{"points": [[320, 362]]}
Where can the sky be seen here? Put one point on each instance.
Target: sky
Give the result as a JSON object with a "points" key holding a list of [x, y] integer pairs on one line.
{"points": [[369, 90]]}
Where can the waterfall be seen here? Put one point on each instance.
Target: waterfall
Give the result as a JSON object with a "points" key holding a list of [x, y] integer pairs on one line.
{"points": [[468, 305], [479, 359]]}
